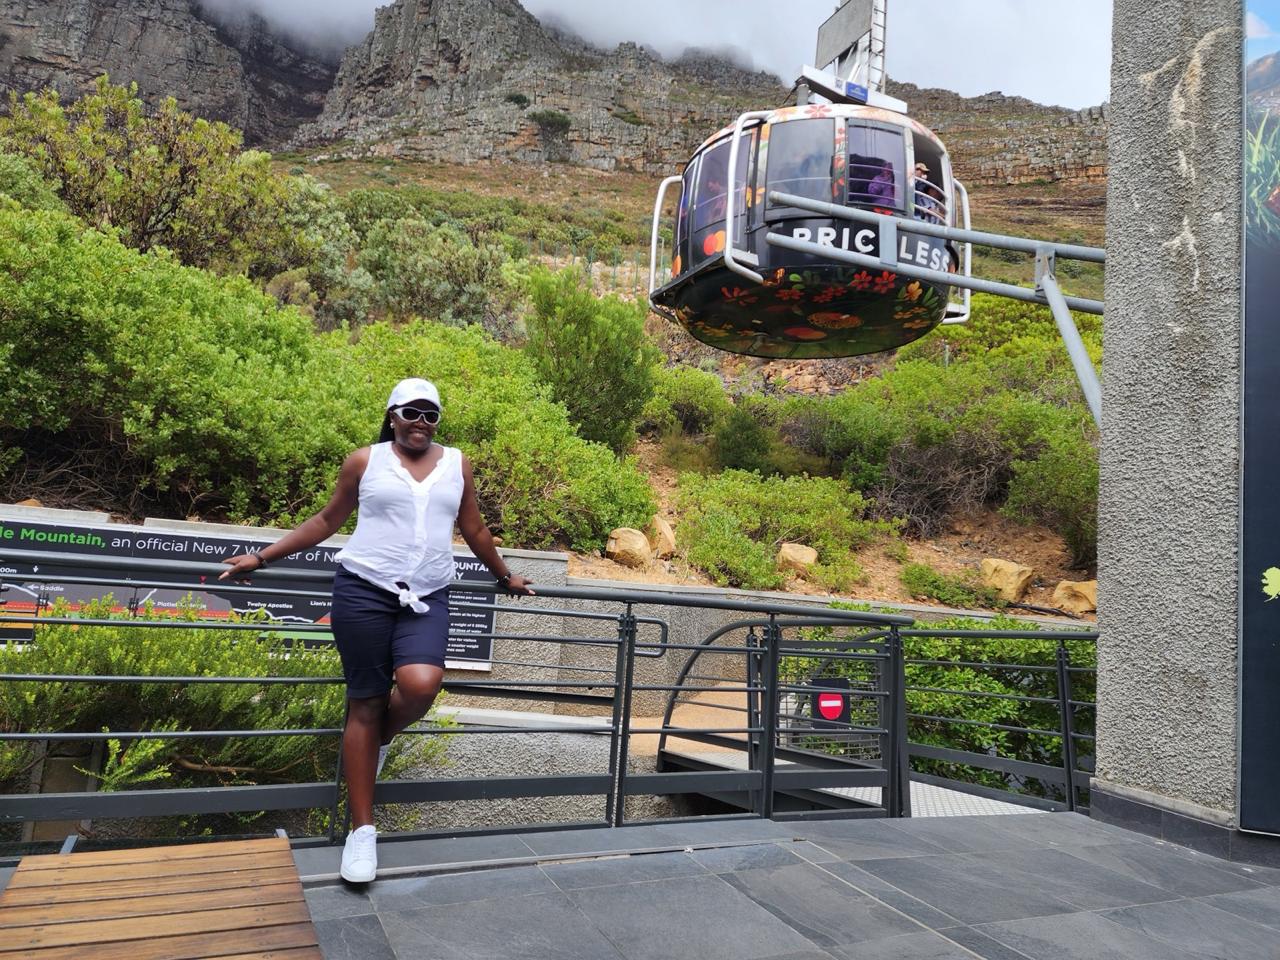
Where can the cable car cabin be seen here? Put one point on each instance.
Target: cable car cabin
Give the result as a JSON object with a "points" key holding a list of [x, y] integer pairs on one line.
{"points": [[807, 306]]}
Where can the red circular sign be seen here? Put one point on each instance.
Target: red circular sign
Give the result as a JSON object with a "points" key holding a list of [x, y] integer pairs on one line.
{"points": [[830, 705]]}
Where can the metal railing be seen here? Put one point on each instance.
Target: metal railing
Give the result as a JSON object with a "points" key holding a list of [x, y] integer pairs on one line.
{"points": [[611, 669], [739, 717]]}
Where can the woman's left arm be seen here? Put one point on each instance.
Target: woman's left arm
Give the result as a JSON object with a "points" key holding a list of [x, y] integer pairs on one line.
{"points": [[472, 527]]}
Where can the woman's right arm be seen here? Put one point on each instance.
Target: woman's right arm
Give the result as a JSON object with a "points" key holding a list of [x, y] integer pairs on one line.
{"points": [[322, 526]]}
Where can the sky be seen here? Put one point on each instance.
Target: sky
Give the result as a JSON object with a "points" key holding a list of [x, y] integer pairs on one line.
{"points": [[1262, 23], [1046, 50]]}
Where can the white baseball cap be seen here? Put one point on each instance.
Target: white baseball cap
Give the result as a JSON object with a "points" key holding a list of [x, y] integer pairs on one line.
{"points": [[407, 391]]}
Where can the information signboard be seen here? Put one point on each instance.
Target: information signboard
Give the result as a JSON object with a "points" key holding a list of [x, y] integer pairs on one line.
{"points": [[471, 628]]}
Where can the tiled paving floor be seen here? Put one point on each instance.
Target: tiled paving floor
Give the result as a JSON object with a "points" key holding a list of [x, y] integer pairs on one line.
{"points": [[1041, 886]]}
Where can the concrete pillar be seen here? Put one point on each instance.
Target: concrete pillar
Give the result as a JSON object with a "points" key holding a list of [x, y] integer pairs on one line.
{"points": [[1171, 455]]}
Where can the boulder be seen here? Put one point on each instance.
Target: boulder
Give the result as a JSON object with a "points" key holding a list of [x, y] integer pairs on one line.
{"points": [[1076, 596], [797, 558], [662, 539], [1011, 580], [628, 547]]}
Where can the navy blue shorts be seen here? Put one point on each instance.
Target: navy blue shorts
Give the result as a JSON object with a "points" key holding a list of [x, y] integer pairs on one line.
{"points": [[375, 634]]}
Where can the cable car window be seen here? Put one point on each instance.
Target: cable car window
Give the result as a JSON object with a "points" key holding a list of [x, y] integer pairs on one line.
{"points": [[679, 246], [711, 197], [929, 193], [877, 167], [799, 161]]}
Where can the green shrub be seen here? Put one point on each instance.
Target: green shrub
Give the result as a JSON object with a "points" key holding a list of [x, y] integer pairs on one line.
{"points": [[1059, 488], [537, 481], [21, 181], [194, 393], [926, 583], [552, 122], [519, 99], [745, 440], [732, 524], [129, 650], [165, 180], [687, 399], [439, 273], [594, 354]]}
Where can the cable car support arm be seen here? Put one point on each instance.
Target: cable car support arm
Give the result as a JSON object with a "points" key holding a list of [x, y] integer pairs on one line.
{"points": [[1046, 292]]}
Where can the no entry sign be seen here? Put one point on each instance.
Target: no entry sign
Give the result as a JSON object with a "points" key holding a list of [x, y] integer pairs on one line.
{"points": [[829, 705]]}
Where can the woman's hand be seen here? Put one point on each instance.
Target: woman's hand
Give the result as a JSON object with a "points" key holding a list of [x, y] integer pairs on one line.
{"points": [[241, 566], [520, 586]]}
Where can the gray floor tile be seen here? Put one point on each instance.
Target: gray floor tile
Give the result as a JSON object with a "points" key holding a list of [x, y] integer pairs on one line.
{"points": [[596, 840], [1166, 866], [1080, 883], [1260, 906], [1060, 829], [964, 834], [726, 831], [313, 861], [412, 892], [820, 907], [541, 927], [913, 946], [699, 917], [1200, 929], [753, 857], [623, 869], [329, 903], [982, 945], [811, 852], [1081, 936], [409, 853], [806, 955], [875, 840], [353, 938], [965, 888], [868, 883]]}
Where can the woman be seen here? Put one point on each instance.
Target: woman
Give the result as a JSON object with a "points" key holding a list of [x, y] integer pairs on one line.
{"points": [[390, 615]]}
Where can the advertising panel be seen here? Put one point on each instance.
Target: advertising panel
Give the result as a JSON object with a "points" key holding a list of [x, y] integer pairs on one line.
{"points": [[1260, 519], [470, 633]]}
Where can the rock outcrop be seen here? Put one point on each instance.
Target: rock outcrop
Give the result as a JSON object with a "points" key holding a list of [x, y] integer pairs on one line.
{"points": [[468, 80], [239, 72], [994, 139], [462, 81], [1011, 580]]}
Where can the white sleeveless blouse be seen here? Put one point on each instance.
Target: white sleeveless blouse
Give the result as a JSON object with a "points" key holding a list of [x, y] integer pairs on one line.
{"points": [[404, 530]]}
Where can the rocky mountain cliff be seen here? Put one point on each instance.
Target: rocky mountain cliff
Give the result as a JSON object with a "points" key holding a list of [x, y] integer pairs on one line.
{"points": [[464, 81], [994, 139], [240, 72], [470, 80]]}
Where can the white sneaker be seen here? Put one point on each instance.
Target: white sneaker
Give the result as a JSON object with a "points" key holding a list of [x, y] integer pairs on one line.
{"points": [[382, 758], [360, 855]]}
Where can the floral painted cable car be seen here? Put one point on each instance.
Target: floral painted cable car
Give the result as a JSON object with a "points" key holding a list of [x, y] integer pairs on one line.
{"points": [[732, 290]]}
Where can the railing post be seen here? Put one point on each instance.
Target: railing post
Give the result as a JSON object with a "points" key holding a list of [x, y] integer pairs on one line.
{"points": [[898, 790], [769, 738], [624, 676], [755, 713], [1068, 724], [337, 777]]}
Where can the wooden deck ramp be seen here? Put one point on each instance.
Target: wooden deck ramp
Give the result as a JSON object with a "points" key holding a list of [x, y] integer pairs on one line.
{"points": [[240, 900]]}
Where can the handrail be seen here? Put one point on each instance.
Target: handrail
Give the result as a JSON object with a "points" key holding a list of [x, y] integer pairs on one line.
{"points": [[739, 128], [619, 595], [653, 239]]}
